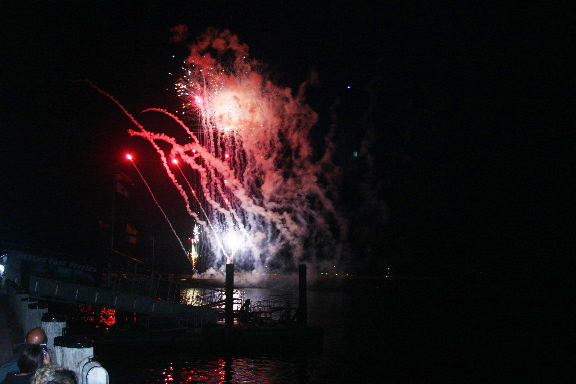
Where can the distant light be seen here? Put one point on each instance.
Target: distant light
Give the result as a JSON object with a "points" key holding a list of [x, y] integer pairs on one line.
{"points": [[129, 156], [355, 154], [349, 87], [175, 161]]}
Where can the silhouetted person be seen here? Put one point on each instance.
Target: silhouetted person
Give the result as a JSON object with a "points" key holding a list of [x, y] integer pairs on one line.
{"points": [[35, 336], [32, 357], [287, 314], [244, 310]]}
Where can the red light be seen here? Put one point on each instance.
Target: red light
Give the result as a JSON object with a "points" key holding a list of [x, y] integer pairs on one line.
{"points": [[108, 316], [175, 161], [129, 156]]}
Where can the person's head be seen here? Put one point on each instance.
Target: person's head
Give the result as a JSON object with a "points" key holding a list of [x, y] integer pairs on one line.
{"points": [[30, 358], [54, 374], [36, 336]]}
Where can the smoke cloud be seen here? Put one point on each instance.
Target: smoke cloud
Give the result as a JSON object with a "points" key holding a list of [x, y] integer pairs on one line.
{"points": [[179, 33], [258, 179]]}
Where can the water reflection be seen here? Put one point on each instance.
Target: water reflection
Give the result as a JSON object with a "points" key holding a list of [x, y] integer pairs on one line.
{"points": [[85, 315], [278, 367], [108, 316], [264, 304], [210, 296], [231, 369]]}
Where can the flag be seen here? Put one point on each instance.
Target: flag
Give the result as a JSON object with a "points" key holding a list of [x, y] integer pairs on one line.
{"points": [[132, 233], [131, 230], [123, 177], [103, 225], [121, 189]]}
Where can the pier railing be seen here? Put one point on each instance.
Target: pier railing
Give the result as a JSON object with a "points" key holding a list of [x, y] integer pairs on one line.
{"points": [[82, 294], [166, 287], [153, 285]]}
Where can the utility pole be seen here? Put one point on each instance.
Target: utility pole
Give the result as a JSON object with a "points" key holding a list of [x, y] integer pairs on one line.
{"points": [[153, 254], [113, 212], [112, 228]]}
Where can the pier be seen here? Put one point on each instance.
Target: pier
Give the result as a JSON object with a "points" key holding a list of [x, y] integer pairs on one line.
{"points": [[49, 289], [213, 318]]}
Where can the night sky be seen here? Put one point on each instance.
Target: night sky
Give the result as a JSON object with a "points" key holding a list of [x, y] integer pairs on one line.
{"points": [[464, 112]]}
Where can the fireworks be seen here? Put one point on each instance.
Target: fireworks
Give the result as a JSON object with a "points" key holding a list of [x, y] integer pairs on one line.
{"points": [[262, 194], [193, 254]]}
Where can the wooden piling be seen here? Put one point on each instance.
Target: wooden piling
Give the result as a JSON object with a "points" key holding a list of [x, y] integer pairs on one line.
{"points": [[229, 303], [302, 296]]}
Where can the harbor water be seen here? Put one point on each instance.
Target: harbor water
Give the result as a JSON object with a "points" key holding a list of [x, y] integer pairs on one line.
{"points": [[277, 365], [401, 330]]}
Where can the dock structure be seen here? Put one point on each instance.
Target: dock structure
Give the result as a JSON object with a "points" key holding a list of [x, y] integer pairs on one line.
{"points": [[229, 304], [215, 318], [279, 322], [49, 289]]}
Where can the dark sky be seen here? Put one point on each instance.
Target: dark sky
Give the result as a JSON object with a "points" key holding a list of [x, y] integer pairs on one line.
{"points": [[467, 108]]}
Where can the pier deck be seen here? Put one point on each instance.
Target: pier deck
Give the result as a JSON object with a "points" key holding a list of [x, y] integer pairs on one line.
{"points": [[83, 294]]}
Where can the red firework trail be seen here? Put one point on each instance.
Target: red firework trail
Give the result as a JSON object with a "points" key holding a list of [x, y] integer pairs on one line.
{"points": [[156, 201]]}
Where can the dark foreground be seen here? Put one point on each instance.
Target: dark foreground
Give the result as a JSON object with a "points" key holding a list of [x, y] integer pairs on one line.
{"points": [[402, 330], [397, 330], [468, 330]]}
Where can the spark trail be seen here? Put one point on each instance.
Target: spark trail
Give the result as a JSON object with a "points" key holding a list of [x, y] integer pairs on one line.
{"points": [[259, 182], [129, 157], [175, 162]]}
